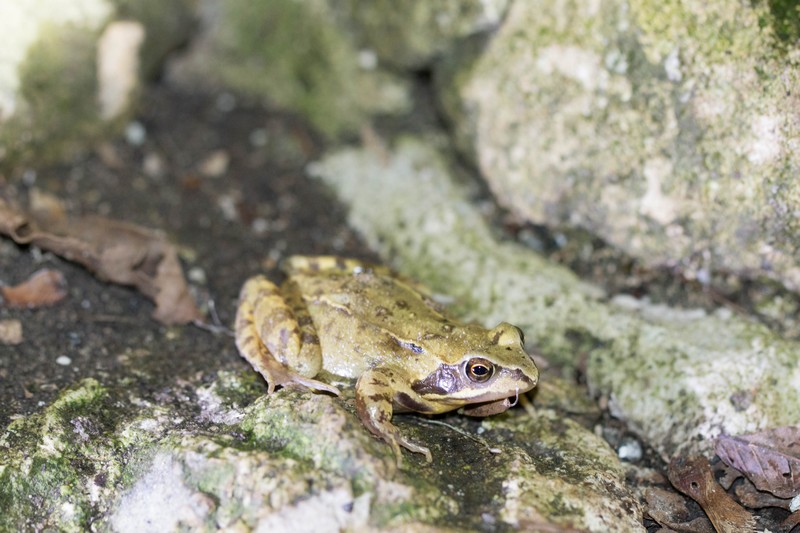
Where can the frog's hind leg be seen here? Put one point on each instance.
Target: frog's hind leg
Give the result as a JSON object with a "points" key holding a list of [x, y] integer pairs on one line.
{"points": [[267, 335]]}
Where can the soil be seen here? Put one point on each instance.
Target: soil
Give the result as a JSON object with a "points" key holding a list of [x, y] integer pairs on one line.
{"points": [[227, 227]]}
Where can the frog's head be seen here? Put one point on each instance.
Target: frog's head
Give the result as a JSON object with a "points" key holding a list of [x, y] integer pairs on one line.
{"points": [[493, 368]]}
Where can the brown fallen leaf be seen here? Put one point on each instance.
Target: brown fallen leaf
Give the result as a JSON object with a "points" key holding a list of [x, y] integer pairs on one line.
{"points": [[115, 251], [44, 287], [693, 477], [791, 522], [770, 459], [669, 509], [10, 332], [749, 496]]}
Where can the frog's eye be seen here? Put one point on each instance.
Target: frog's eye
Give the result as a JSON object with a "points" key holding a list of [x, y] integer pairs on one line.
{"points": [[479, 370]]}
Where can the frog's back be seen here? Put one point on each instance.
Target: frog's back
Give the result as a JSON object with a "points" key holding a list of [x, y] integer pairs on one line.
{"points": [[365, 319]]}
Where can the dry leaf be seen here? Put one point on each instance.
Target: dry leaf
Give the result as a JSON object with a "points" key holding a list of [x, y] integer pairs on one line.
{"points": [[770, 459], [791, 522], [11, 332], [749, 496], [44, 287], [115, 251], [669, 509], [693, 477]]}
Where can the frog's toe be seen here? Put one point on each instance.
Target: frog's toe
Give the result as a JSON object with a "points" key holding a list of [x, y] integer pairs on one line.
{"points": [[415, 447], [313, 384]]}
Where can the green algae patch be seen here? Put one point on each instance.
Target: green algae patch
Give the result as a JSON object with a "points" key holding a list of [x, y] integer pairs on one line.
{"points": [[667, 129], [319, 429], [59, 468], [413, 34], [51, 460], [675, 375], [296, 55], [58, 97], [168, 25]]}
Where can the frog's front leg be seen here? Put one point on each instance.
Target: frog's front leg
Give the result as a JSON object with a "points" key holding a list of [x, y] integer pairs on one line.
{"points": [[376, 391], [268, 336]]}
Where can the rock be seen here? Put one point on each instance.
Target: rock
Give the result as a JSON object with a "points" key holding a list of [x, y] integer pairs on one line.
{"points": [[72, 72], [669, 133], [105, 456], [414, 33], [678, 377], [296, 55]]}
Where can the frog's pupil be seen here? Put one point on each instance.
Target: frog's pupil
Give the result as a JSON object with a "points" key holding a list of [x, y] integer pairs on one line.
{"points": [[479, 370]]}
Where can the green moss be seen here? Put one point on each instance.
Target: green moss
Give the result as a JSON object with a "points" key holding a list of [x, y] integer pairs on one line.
{"points": [[58, 106], [53, 460], [296, 54], [785, 20], [168, 25]]}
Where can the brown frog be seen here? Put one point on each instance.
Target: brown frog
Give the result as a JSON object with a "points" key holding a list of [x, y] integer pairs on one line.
{"points": [[362, 322]]}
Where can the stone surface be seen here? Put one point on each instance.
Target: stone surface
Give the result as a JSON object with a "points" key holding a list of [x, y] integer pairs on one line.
{"points": [[103, 456], [671, 132], [679, 377], [413, 33], [298, 55], [54, 98]]}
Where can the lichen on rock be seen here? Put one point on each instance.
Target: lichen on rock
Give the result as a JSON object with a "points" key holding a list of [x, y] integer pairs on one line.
{"points": [[667, 130], [678, 377]]}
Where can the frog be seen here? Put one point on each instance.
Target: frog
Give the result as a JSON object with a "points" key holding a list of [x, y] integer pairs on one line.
{"points": [[362, 322]]}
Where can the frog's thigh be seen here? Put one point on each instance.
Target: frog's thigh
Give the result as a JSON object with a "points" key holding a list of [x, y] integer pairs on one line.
{"points": [[308, 360], [375, 391], [259, 316]]}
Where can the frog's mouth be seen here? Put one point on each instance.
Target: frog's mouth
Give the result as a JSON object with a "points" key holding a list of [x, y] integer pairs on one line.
{"points": [[487, 408]]}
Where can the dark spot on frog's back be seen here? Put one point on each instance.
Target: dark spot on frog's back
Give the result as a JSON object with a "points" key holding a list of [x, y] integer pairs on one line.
{"points": [[401, 304], [381, 311], [304, 320]]}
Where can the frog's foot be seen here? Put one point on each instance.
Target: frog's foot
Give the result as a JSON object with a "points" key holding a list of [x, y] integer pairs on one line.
{"points": [[374, 393], [278, 375]]}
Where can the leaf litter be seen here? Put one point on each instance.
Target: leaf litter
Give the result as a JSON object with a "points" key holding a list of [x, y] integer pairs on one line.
{"points": [[758, 470], [43, 288], [770, 459], [115, 251]]}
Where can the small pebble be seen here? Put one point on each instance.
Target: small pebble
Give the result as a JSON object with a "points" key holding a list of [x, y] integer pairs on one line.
{"points": [[63, 360], [135, 133], [10, 332], [216, 164], [226, 102], [367, 59], [258, 137], [197, 275], [630, 450]]}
